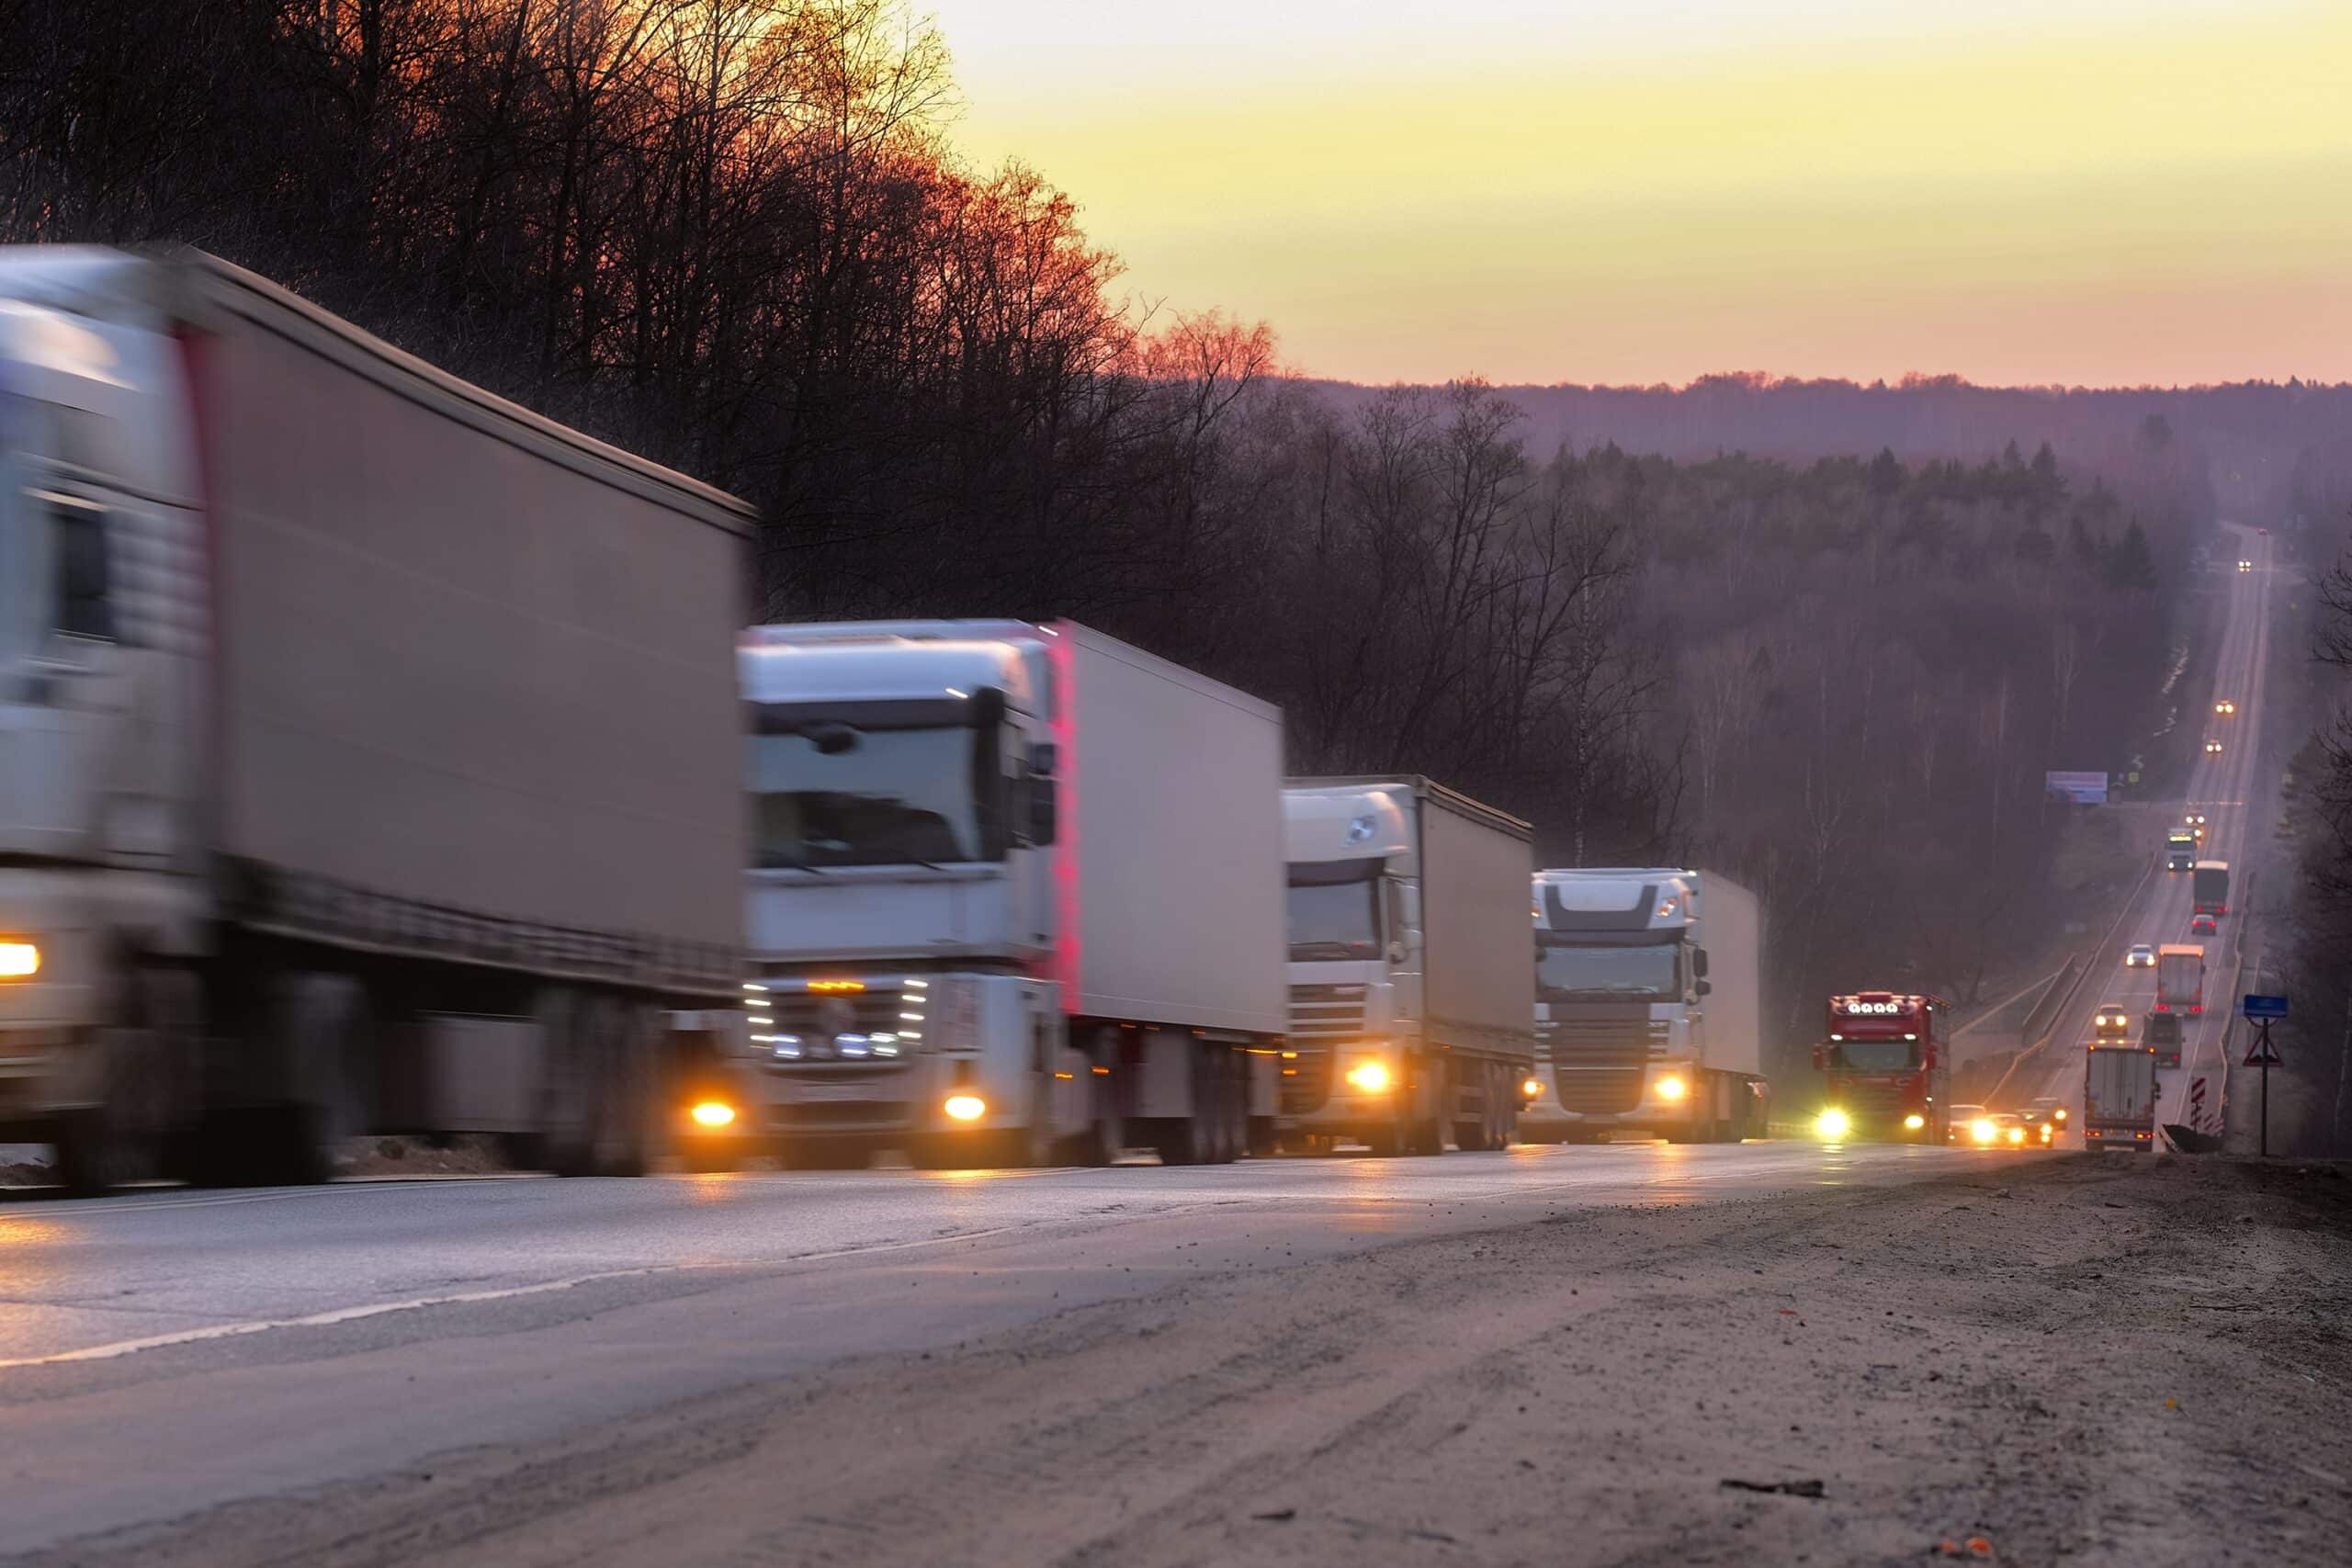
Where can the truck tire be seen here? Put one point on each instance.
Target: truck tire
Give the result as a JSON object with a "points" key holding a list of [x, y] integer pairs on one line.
{"points": [[1467, 1080], [148, 1085], [1194, 1139], [314, 1073], [1105, 1136]]}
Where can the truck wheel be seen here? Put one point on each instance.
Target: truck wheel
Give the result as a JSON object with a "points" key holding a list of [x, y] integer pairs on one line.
{"points": [[1469, 1125], [147, 1086], [1226, 1072], [1264, 1141], [1106, 1135], [568, 1085]]}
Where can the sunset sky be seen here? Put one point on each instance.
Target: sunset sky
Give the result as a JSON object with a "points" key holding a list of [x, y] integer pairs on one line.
{"points": [[2085, 191]]}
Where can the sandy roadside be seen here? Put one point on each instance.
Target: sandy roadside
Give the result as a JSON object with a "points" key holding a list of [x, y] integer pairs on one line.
{"points": [[2119, 1360]]}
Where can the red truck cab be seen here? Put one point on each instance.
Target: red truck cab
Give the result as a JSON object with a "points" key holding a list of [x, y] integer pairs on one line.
{"points": [[1885, 1068]]}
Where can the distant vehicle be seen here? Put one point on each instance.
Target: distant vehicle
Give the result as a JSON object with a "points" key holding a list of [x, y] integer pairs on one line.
{"points": [[2119, 1097], [2180, 849], [2213, 748], [1965, 1123], [2246, 566], [2226, 707], [2048, 1113], [2209, 894], [2180, 978], [2202, 925], [2195, 823], [1885, 1068], [2009, 1130], [2162, 1034], [2110, 1019], [2141, 955]]}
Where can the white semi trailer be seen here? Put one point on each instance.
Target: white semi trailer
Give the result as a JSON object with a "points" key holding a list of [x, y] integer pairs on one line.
{"points": [[367, 745], [1015, 896], [1649, 1006], [1410, 993]]}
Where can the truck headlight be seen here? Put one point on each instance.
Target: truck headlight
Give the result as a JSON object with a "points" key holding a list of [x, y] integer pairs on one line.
{"points": [[2059, 1113], [1833, 1123], [966, 1107], [2016, 1134], [1982, 1130], [1533, 1088], [1672, 1088], [20, 960], [713, 1113], [1914, 1122], [1370, 1077]]}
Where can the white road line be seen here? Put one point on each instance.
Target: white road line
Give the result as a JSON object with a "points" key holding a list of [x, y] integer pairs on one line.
{"points": [[457, 1298]]}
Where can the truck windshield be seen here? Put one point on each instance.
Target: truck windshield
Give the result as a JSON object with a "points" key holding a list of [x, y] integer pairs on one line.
{"points": [[1653, 971], [1877, 1056], [844, 796], [1334, 910]]}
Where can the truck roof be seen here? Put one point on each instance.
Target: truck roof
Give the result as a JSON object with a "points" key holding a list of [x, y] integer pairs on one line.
{"points": [[1423, 787], [2181, 950], [2212, 866], [882, 670]]}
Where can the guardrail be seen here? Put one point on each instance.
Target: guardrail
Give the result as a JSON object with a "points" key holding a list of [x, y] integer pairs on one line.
{"points": [[2033, 1047]]}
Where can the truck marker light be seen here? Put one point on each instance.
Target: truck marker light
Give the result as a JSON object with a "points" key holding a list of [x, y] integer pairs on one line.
{"points": [[966, 1107], [1101, 1072], [20, 960], [1672, 1088], [1833, 1123], [1370, 1076], [1914, 1122], [919, 985], [836, 987], [713, 1113], [749, 986]]}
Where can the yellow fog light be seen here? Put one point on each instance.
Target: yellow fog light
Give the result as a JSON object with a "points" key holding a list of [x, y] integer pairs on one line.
{"points": [[1369, 1075], [1833, 1123], [713, 1113], [18, 960], [1672, 1088], [1982, 1130], [1914, 1122], [967, 1107], [2016, 1134], [1533, 1088]]}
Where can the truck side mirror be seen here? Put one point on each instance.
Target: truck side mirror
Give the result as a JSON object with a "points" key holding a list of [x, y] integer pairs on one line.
{"points": [[1706, 987], [1699, 962], [1043, 758], [1044, 812]]}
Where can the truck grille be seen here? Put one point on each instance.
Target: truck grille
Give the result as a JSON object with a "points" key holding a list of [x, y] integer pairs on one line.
{"points": [[1305, 1079], [1327, 1013], [818, 1021], [1600, 1055]]}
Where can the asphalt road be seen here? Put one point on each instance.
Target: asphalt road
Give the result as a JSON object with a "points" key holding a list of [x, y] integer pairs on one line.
{"points": [[2237, 793], [164, 1352]]}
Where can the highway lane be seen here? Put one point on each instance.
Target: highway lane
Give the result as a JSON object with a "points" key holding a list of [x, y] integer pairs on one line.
{"points": [[165, 1351], [2233, 791]]}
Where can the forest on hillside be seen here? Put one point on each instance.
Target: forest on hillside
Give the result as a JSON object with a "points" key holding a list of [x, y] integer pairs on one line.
{"points": [[1827, 640]]}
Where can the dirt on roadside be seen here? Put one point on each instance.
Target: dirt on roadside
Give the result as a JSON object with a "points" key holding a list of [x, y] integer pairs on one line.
{"points": [[2102, 1360]]}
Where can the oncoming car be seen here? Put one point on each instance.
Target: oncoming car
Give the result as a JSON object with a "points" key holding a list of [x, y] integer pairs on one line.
{"points": [[2226, 707], [2213, 748], [2110, 1022], [1965, 1119], [2141, 955], [2009, 1131], [2246, 566], [2047, 1114]]}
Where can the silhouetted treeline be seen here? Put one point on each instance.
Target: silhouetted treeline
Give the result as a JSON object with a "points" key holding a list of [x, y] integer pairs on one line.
{"points": [[733, 235]]}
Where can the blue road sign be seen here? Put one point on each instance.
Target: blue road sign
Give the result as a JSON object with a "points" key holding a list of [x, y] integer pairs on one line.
{"points": [[2266, 1007]]}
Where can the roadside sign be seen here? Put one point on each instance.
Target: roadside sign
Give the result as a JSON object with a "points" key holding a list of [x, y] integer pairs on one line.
{"points": [[2266, 1007], [2262, 1054], [2083, 789]]}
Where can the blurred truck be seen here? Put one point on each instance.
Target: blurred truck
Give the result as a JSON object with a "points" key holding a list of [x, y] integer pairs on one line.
{"points": [[2180, 978], [366, 747], [2209, 887], [2161, 1033], [1648, 1007], [1886, 1071], [1015, 896], [1410, 997], [2119, 1097], [2180, 849]]}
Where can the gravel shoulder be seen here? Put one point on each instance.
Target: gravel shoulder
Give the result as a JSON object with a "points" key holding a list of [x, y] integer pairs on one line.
{"points": [[2101, 1359]]}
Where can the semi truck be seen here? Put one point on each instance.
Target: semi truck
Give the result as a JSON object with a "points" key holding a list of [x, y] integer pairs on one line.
{"points": [[1885, 1068], [2180, 849], [2180, 978], [355, 728], [2209, 887], [1015, 896], [1411, 1002], [1648, 1006], [2119, 1097]]}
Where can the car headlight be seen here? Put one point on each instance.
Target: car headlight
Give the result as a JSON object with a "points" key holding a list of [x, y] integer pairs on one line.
{"points": [[1982, 1130], [1369, 1075], [1533, 1088], [1833, 1123], [20, 960], [1672, 1088], [1914, 1122], [2059, 1113], [966, 1107], [2016, 1134]]}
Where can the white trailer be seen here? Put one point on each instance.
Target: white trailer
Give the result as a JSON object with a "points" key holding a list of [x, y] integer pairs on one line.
{"points": [[1410, 993], [2119, 1097], [1017, 893], [1649, 1006], [360, 736]]}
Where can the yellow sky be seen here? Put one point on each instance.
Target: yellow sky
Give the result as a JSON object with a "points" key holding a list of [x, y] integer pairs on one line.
{"points": [[2085, 191]]}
